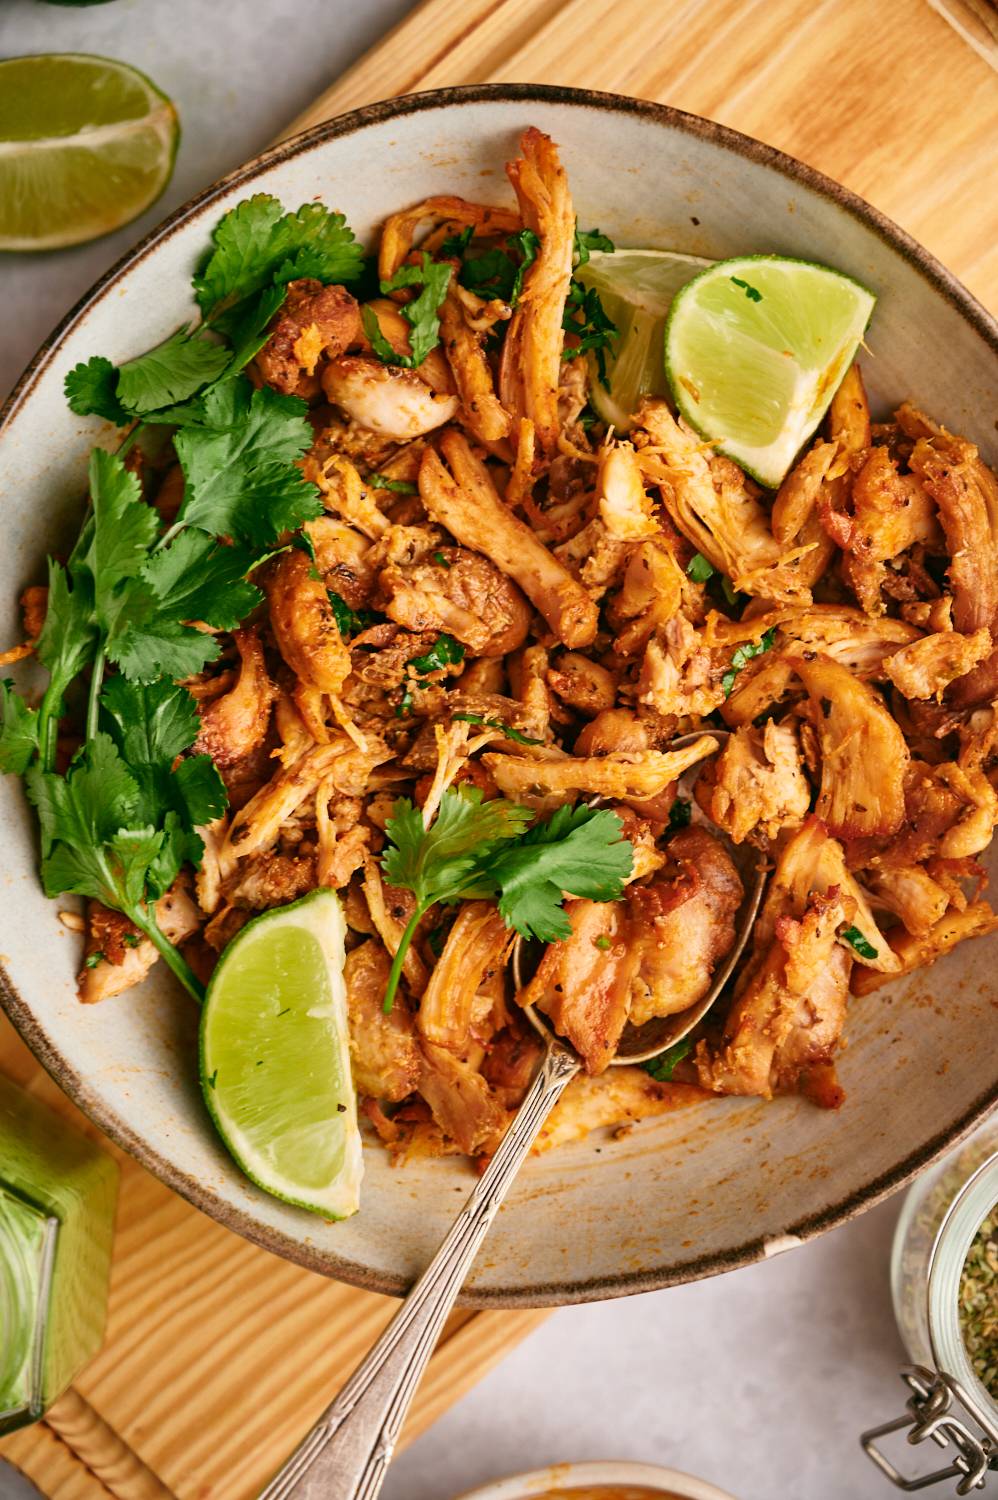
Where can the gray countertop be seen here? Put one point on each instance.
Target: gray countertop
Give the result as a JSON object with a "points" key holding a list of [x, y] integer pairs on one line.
{"points": [[759, 1380]]}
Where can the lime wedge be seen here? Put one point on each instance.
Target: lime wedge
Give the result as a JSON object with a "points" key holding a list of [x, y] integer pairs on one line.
{"points": [[86, 144], [636, 288], [275, 1057], [755, 349]]}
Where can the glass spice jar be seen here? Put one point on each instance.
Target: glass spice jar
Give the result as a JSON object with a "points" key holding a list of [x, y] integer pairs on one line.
{"points": [[57, 1199], [948, 1402]]}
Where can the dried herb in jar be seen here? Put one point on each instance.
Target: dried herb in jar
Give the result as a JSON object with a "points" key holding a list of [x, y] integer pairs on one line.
{"points": [[979, 1304]]}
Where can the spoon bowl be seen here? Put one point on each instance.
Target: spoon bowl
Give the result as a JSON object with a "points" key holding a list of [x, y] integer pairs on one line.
{"points": [[639, 1044]]}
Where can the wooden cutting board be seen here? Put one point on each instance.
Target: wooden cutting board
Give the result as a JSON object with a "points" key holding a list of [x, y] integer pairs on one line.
{"points": [[218, 1355]]}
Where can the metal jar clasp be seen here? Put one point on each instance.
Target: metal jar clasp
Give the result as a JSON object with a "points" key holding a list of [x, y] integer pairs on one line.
{"points": [[929, 1414]]}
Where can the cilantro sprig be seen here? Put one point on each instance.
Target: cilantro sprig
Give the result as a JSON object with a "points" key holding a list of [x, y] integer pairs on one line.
{"points": [[257, 249], [508, 730], [856, 940], [420, 313], [663, 1066], [476, 850]]}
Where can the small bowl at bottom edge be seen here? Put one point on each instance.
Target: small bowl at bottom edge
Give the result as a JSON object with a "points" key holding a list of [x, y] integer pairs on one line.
{"points": [[605, 1474]]}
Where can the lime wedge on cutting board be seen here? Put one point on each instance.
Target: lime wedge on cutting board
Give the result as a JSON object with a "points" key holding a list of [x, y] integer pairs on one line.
{"points": [[636, 288], [86, 144], [755, 348], [275, 1057]]}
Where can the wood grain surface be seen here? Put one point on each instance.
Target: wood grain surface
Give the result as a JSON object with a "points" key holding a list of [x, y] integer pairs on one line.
{"points": [[218, 1355], [896, 99]]}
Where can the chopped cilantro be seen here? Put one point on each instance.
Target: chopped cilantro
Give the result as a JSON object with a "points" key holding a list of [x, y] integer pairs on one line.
{"points": [[680, 814], [455, 245], [420, 313], [603, 942], [496, 275], [350, 621], [856, 940], [397, 486], [699, 569], [499, 724], [663, 1066], [438, 557], [751, 292], [588, 240], [728, 589], [93, 959], [743, 655], [586, 317], [444, 652]]}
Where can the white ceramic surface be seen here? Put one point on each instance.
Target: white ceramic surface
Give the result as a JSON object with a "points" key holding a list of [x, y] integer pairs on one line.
{"points": [[680, 1197], [540, 1482]]}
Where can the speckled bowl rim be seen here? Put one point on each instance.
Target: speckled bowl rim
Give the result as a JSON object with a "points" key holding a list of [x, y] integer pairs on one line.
{"points": [[598, 1473], [19, 1010]]}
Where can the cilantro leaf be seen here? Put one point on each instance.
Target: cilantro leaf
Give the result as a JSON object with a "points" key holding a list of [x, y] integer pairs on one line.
{"points": [[495, 274], [87, 806], [257, 245], [118, 541], [152, 724], [855, 938], [349, 621], [680, 814], [435, 862], [586, 317], [744, 654], [18, 731], [580, 850], [91, 390], [588, 240], [752, 292], [172, 372], [699, 568], [420, 313], [444, 652], [196, 579], [663, 1066], [456, 244], [239, 464]]}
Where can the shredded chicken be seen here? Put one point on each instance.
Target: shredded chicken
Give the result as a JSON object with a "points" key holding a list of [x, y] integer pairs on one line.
{"points": [[757, 783]]}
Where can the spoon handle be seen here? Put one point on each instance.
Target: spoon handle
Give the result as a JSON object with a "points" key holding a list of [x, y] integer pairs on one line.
{"points": [[347, 1452]]}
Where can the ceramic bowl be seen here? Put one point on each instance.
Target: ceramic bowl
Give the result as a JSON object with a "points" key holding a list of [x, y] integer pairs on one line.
{"points": [[716, 1185], [668, 1483]]}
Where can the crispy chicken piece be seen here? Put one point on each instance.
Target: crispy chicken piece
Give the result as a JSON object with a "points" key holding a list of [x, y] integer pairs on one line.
{"points": [[512, 1060], [966, 492], [582, 984], [617, 1097], [315, 320], [343, 840], [453, 1006], [622, 774], [258, 825], [594, 557], [863, 752], [344, 493], [681, 926], [797, 498], [679, 675], [236, 723], [716, 507], [926, 668], [304, 624], [34, 603], [459, 592], [118, 957], [462, 1103], [654, 589], [756, 784], [530, 364], [270, 879], [625, 508], [910, 892], [891, 512], [916, 951], [581, 683], [464, 345], [341, 556], [789, 1009], [464, 500], [433, 369], [445, 210], [839, 631], [383, 399], [384, 1054]]}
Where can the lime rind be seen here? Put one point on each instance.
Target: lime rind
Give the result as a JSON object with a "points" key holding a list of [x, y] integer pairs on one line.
{"points": [[275, 1057], [755, 348]]}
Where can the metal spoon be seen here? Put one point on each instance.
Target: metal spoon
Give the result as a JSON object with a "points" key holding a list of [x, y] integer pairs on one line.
{"points": [[347, 1452]]}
